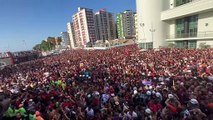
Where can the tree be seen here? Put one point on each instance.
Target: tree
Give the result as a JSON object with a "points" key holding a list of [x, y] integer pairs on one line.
{"points": [[58, 40], [37, 47], [204, 46], [46, 46], [50, 44], [52, 41]]}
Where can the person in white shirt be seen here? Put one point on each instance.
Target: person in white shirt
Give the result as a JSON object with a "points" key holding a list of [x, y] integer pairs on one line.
{"points": [[132, 115], [89, 112]]}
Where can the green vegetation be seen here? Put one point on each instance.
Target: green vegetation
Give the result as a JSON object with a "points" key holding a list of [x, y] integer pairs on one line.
{"points": [[47, 45]]}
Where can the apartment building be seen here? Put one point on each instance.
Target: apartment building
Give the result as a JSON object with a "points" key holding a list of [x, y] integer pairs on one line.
{"points": [[65, 39], [71, 33], [126, 24], [84, 27], [105, 25], [184, 23]]}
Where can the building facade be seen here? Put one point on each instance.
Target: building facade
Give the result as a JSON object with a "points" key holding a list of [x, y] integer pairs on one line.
{"points": [[71, 33], [126, 24], [65, 39], [184, 23], [136, 27], [120, 27], [105, 26], [84, 27]]}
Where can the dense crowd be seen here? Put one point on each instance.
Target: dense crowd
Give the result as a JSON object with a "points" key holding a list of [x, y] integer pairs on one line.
{"points": [[24, 53], [122, 83]]}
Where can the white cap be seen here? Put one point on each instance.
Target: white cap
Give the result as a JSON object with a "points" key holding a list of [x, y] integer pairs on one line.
{"points": [[194, 101], [117, 103], [170, 96], [158, 94], [148, 93], [162, 83], [167, 79], [88, 95], [97, 93], [135, 92], [148, 111]]}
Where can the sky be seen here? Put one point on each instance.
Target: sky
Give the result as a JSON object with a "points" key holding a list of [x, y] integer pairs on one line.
{"points": [[25, 23]]}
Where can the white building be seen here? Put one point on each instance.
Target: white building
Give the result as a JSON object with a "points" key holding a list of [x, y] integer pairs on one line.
{"points": [[105, 25], [65, 39], [185, 23], [84, 27], [71, 33]]}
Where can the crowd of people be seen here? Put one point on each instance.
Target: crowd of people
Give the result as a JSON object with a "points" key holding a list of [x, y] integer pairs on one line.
{"points": [[121, 83], [24, 53]]}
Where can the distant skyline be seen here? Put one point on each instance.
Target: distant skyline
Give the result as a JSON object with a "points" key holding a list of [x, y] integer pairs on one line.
{"points": [[25, 23]]}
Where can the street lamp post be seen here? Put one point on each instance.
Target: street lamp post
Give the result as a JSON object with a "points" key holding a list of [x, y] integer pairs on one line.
{"points": [[142, 26], [152, 33]]}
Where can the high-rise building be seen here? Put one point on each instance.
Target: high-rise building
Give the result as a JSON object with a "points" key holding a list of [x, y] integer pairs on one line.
{"points": [[65, 39], [126, 24], [105, 26], [84, 27], [184, 23], [136, 27], [71, 33], [120, 27]]}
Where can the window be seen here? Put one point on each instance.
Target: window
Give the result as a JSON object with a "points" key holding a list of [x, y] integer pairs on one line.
{"points": [[193, 21], [181, 2], [179, 44], [179, 28], [192, 44], [187, 27], [146, 45], [142, 45]]}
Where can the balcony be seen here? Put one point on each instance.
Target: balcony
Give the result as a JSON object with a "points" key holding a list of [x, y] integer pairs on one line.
{"points": [[185, 2], [191, 8], [192, 36]]}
